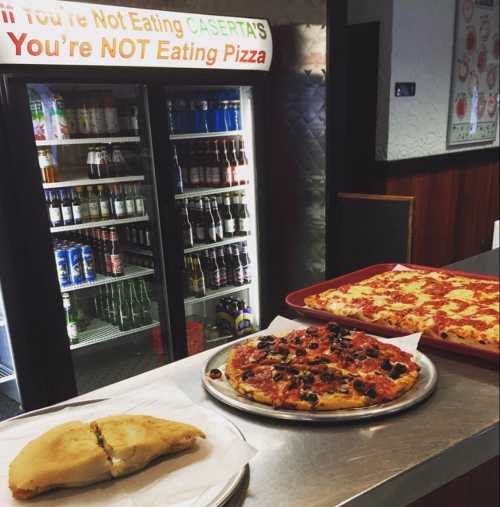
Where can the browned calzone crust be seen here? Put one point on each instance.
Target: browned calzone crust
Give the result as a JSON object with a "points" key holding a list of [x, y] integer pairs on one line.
{"points": [[77, 454]]}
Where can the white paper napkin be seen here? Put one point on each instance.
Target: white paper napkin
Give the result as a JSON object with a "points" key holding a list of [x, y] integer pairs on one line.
{"points": [[179, 480]]}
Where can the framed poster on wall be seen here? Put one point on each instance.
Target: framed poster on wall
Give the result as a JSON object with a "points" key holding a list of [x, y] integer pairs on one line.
{"points": [[473, 113]]}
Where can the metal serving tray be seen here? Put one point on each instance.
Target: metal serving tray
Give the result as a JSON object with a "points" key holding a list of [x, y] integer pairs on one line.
{"points": [[295, 300], [224, 392]]}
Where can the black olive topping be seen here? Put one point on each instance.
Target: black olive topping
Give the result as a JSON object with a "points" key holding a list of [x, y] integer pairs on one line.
{"points": [[313, 345], [283, 340], [327, 377], [444, 335], [297, 341], [283, 351], [281, 367], [371, 392], [215, 374], [263, 345], [310, 397], [344, 332], [386, 364], [359, 386], [372, 352], [333, 327], [292, 370], [394, 374], [400, 368], [308, 379], [267, 338], [277, 376], [300, 352], [246, 374]]}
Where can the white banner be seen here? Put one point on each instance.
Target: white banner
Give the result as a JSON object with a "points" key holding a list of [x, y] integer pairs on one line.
{"points": [[67, 33]]}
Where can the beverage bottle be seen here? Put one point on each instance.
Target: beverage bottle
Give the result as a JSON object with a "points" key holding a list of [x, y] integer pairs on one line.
{"points": [[228, 221], [101, 251], [245, 262], [134, 119], [210, 226], [219, 228], [226, 169], [134, 235], [234, 107], [214, 279], [102, 308], [198, 280], [179, 188], [58, 117], [129, 201], [235, 175], [221, 261], [194, 167], [147, 237], [244, 171], [201, 118], [243, 217], [38, 116], [107, 251], [66, 208], [187, 274], [106, 169], [71, 319], [114, 305], [94, 206], [83, 115], [71, 116], [235, 210], [125, 320], [84, 204], [97, 117], [118, 162], [119, 202], [91, 167], [135, 306], [187, 228], [171, 117], [107, 309], [115, 254], [147, 317], [237, 268], [199, 229], [212, 169], [228, 257], [205, 265], [76, 206], [47, 166], [111, 114], [184, 161], [104, 208], [54, 208], [141, 237], [139, 200]]}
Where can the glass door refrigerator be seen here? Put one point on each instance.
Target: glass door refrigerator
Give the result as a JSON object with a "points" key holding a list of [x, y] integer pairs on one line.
{"points": [[211, 130]]}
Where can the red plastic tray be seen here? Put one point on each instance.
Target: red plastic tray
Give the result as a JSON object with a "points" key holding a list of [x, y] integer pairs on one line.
{"points": [[295, 300]]}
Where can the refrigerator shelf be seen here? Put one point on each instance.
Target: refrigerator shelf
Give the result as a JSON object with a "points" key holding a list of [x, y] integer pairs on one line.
{"points": [[87, 181], [212, 294], [210, 191], [6, 374], [130, 272], [205, 135], [208, 246], [89, 140], [100, 331], [100, 223], [138, 251]]}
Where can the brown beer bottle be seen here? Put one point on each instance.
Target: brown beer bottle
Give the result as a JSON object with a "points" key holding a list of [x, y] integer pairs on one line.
{"points": [[187, 228], [243, 164], [115, 254], [226, 169], [198, 279]]}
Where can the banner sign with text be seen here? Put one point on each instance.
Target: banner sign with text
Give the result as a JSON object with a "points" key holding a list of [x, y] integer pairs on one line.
{"points": [[67, 33]]}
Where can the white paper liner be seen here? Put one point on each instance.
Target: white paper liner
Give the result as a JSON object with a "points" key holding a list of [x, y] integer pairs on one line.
{"points": [[182, 479]]}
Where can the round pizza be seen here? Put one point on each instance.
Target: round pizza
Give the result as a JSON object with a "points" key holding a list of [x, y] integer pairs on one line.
{"points": [[320, 368]]}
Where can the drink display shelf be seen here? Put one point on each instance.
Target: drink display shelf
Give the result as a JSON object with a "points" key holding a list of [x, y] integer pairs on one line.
{"points": [[87, 181], [6, 374], [135, 250], [205, 135], [89, 140], [209, 191], [130, 272], [100, 331], [100, 223], [211, 294], [207, 246]]}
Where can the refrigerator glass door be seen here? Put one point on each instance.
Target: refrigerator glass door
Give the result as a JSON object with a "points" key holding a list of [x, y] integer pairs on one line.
{"points": [[9, 395], [97, 174], [211, 131]]}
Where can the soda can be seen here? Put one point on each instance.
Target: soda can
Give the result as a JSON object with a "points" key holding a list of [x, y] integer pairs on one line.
{"points": [[62, 266], [75, 264], [88, 263]]}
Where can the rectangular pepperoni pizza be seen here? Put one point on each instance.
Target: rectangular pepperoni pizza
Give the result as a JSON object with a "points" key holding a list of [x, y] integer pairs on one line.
{"points": [[442, 305]]}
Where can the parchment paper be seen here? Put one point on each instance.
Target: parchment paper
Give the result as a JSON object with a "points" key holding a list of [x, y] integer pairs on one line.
{"points": [[180, 479]]}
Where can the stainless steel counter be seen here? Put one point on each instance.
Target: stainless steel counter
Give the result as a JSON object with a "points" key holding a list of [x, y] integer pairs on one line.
{"points": [[388, 462]]}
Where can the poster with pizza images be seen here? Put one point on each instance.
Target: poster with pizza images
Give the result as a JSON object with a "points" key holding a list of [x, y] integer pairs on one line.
{"points": [[473, 114]]}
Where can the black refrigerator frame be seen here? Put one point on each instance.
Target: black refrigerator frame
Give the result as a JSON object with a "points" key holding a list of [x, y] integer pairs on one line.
{"points": [[32, 297]]}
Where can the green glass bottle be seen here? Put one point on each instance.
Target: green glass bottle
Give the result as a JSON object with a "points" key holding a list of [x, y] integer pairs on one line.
{"points": [[71, 320], [113, 307], [145, 300], [125, 321], [135, 306]]}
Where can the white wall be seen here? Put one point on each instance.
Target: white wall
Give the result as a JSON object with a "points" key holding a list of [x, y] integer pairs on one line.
{"points": [[419, 48]]}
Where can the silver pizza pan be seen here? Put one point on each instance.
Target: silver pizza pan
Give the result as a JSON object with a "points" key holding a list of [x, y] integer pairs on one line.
{"points": [[214, 496], [224, 392]]}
